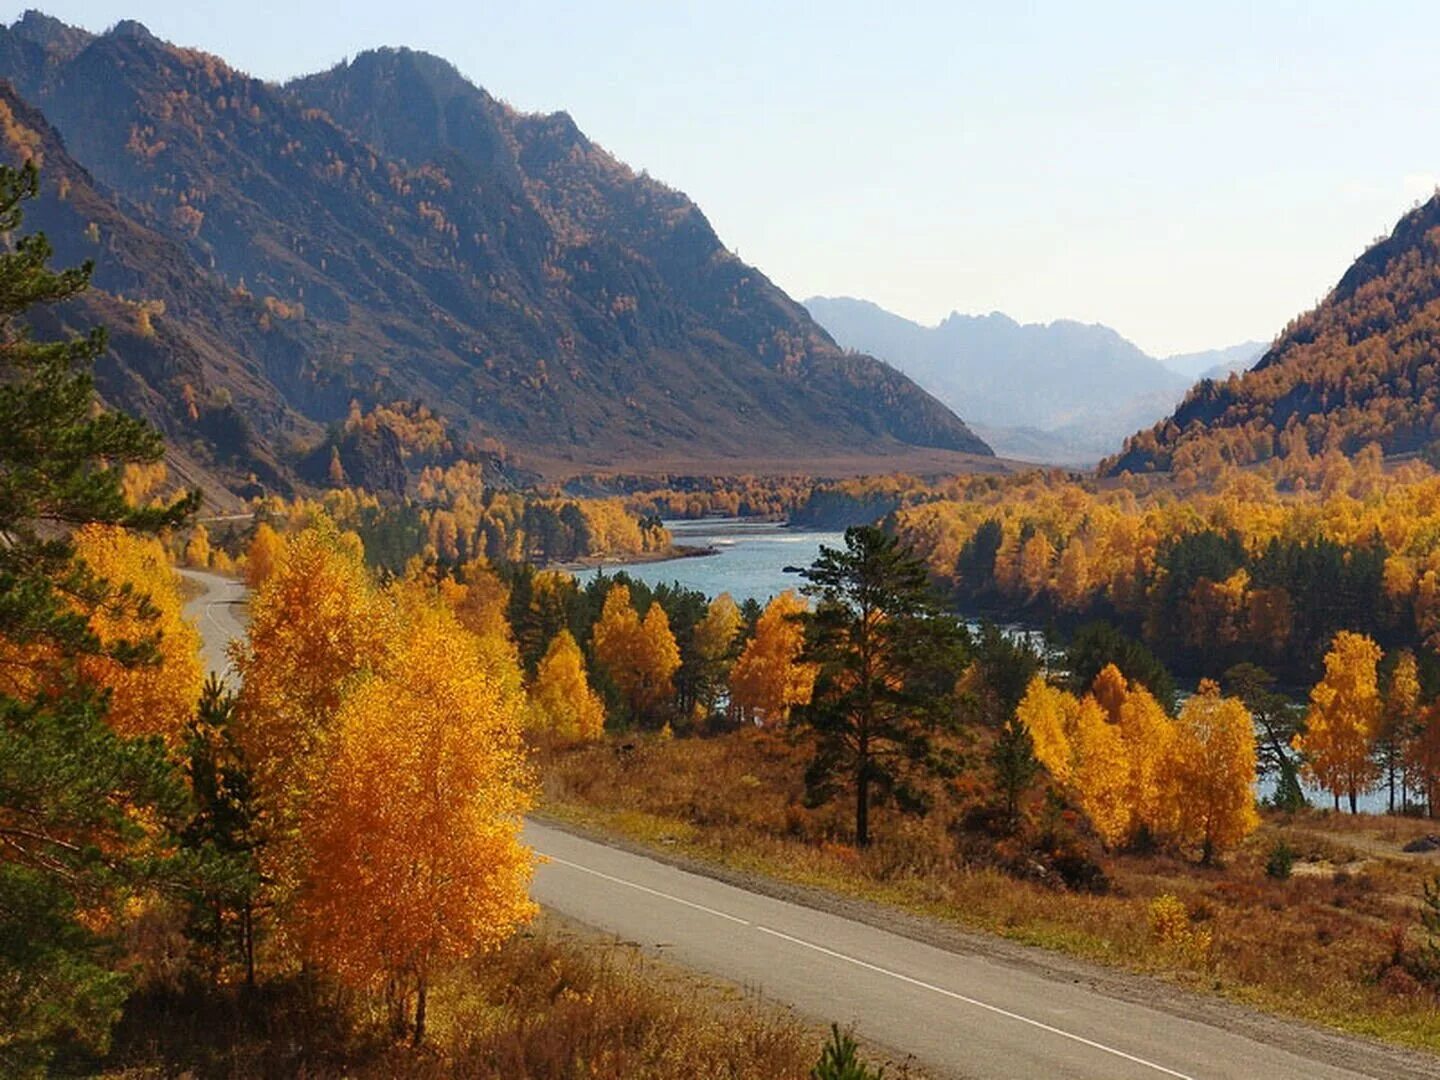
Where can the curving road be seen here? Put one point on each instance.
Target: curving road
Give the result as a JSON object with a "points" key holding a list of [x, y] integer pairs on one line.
{"points": [[218, 612], [962, 1013]]}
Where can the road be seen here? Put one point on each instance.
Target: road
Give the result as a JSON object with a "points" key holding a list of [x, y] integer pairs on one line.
{"points": [[964, 1015], [960, 1013], [218, 611]]}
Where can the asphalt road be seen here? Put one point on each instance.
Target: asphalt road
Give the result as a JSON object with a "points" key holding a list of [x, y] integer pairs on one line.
{"points": [[218, 612], [960, 1014]]}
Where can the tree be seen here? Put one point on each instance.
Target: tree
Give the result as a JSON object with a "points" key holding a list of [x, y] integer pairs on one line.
{"points": [[266, 550], [415, 828], [315, 624], [1398, 721], [156, 697], [1277, 723], [1012, 756], [84, 811], [1097, 644], [1345, 712], [566, 708], [197, 548], [640, 657], [221, 831], [769, 679], [1212, 773], [884, 702], [714, 644]]}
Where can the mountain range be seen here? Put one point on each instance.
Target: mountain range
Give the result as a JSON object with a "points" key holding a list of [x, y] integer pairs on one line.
{"points": [[1361, 368], [385, 232], [1063, 392]]}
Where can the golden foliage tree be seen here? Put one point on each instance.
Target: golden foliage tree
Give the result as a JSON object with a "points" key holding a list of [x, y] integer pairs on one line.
{"points": [[566, 708], [146, 699], [1399, 720], [641, 657], [714, 641], [415, 827], [262, 555], [315, 623], [1345, 712], [768, 678], [197, 548], [1211, 777]]}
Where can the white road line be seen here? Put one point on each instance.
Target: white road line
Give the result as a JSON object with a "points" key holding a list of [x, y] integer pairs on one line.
{"points": [[645, 889], [877, 969], [978, 1004]]}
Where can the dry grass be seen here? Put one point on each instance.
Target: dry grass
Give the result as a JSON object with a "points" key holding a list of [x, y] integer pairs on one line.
{"points": [[1317, 945], [553, 1004]]}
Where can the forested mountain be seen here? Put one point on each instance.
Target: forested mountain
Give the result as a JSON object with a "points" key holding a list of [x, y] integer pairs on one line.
{"points": [[386, 231], [1362, 367], [1064, 391]]}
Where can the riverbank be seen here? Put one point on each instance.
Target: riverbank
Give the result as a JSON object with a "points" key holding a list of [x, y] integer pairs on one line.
{"points": [[640, 558]]}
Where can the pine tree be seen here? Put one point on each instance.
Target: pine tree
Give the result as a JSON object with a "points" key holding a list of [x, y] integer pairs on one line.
{"points": [[884, 712], [84, 811]]}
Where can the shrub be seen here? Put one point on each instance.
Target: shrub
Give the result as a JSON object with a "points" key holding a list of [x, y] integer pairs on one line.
{"points": [[1171, 927], [1280, 861], [840, 1060]]}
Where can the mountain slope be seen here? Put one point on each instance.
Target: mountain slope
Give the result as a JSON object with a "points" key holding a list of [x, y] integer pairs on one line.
{"points": [[1361, 367], [1064, 391], [410, 237]]}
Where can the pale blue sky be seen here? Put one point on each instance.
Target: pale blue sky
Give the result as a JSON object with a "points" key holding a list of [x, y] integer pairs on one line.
{"points": [[1192, 175]]}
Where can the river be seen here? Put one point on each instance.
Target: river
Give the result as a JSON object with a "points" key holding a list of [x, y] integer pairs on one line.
{"points": [[749, 557]]}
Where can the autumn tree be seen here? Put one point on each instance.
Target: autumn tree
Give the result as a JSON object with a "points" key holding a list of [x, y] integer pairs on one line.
{"points": [[883, 713], [415, 823], [1211, 777], [83, 809], [769, 679], [1344, 715], [263, 554], [156, 697], [640, 656], [315, 624], [566, 708], [197, 548], [1398, 720], [714, 644]]}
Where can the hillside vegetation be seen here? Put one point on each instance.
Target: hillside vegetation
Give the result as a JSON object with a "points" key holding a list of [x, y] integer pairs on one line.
{"points": [[387, 231]]}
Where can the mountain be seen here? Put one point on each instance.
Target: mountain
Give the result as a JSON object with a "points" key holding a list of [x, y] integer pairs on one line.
{"points": [[1064, 392], [386, 231], [1215, 363], [1362, 367]]}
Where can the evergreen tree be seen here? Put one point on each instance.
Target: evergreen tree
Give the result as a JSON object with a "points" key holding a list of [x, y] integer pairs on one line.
{"points": [[84, 812], [888, 660]]}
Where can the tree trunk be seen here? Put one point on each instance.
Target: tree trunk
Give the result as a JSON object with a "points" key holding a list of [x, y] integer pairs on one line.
{"points": [[247, 942], [1337, 801], [1352, 801], [862, 807], [420, 999]]}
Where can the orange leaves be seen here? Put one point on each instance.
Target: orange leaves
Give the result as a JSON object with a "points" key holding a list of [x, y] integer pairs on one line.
{"points": [[1131, 768], [385, 740], [641, 657], [146, 699], [1344, 718], [767, 680], [1211, 771], [566, 709], [414, 831]]}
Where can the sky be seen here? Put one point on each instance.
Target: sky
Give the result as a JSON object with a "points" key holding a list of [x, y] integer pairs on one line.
{"points": [[1193, 175]]}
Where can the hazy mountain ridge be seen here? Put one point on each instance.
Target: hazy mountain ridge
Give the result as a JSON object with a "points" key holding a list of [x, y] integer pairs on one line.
{"points": [[1064, 391], [392, 232]]}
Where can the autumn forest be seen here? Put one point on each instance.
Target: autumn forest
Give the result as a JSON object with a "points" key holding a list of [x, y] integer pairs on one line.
{"points": [[338, 419]]}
